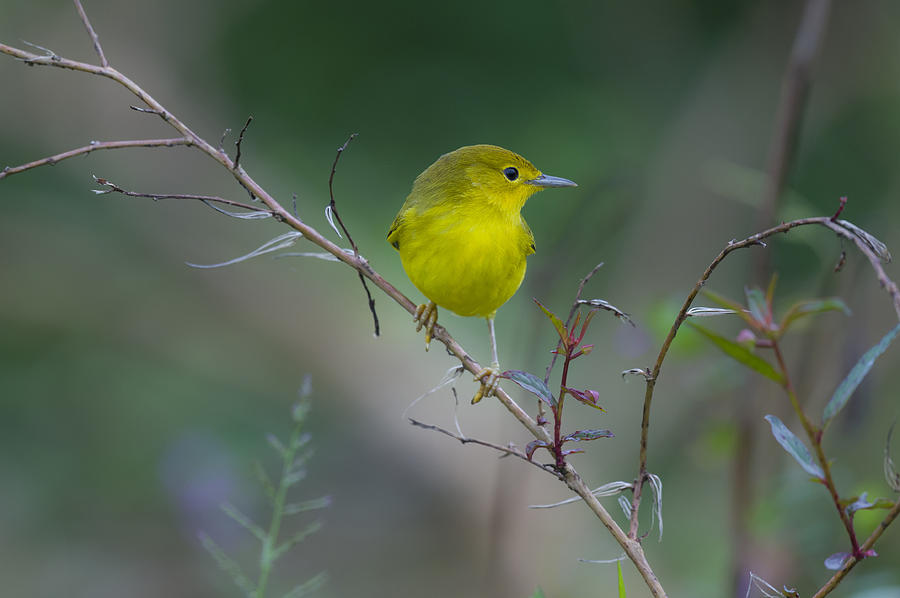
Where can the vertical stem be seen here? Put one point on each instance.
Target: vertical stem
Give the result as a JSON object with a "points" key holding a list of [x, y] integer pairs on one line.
{"points": [[557, 413], [266, 559], [815, 438]]}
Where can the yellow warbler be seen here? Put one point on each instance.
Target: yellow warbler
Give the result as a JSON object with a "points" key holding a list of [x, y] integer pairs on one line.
{"points": [[462, 238]]}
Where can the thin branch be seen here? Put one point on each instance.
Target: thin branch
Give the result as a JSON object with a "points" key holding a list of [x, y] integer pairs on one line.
{"points": [[240, 140], [506, 450], [94, 39], [864, 548], [631, 547], [113, 188], [750, 241], [332, 208], [331, 205], [94, 146]]}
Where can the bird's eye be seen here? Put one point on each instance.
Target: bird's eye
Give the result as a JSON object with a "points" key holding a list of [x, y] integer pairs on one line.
{"points": [[511, 173]]}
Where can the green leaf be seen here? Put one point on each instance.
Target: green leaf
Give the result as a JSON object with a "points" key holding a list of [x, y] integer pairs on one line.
{"points": [[848, 385], [621, 580], [795, 447], [759, 308], [538, 593], [812, 307], [741, 354], [532, 384], [557, 323]]}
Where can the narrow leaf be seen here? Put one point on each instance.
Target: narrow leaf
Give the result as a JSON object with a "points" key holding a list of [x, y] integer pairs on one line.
{"points": [[584, 435], [532, 384], [734, 306], [307, 505], [533, 446], [836, 561], [538, 593], [588, 397], [794, 446], [621, 580], [759, 308], [228, 565], [740, 353], [890, 471], [848, 385], [244, 521], [557, 323], [296, 539], [264, 480], [308, 586], [812, 307]]}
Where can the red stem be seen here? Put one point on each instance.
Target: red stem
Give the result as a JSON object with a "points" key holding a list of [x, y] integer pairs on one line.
{"points": [[557, 413]]}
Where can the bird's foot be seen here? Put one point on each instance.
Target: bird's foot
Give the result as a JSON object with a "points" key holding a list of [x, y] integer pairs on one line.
{"points": [[490, 380], [426, 317]]}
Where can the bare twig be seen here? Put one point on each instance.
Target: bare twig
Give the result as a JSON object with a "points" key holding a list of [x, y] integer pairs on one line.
{"points": [[94, 39], [506, 450], [94, 146], [113, 188], [240, 140], [146, 110]]}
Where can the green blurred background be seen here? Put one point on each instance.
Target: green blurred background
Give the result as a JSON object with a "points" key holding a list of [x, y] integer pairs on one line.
{"points": [[136, 392]]}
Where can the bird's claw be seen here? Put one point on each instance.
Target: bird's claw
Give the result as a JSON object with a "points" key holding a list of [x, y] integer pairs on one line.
{"points": [[426, 317], [490, 381]]}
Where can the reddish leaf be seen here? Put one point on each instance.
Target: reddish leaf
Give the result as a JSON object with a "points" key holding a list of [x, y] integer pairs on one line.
{"points": [[588, 397], [533, 446]]}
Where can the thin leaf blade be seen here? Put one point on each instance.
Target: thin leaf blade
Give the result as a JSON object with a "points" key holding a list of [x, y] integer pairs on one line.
{"points": [[849, 384], [557, 323], [741, 354], [532, 384], [794, 447]]}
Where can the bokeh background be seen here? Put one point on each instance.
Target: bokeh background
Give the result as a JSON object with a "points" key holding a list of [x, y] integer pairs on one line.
{"points": [[136, 392]]}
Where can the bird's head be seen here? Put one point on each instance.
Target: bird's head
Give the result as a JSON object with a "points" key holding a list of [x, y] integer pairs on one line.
{"points": [[485, 173]]}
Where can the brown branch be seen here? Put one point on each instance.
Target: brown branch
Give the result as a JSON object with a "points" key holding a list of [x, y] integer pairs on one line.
{"points": [[506, 450], [94, 38], [864, 548], [750, 241], [113, 188], [94, 146], [631, 547]]}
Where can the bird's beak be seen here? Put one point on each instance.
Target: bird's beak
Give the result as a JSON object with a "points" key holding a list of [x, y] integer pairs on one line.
{"points": [[545, 180]]}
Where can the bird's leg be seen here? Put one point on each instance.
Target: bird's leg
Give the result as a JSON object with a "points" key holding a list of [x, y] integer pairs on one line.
{"points": [[426, 316], [489, 376]]}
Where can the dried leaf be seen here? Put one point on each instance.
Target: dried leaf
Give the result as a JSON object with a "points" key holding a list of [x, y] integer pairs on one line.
{"points": [[581, 435], [890, 471]]}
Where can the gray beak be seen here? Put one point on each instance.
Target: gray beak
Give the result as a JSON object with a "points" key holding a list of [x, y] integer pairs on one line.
{"points": [[545, 180]]}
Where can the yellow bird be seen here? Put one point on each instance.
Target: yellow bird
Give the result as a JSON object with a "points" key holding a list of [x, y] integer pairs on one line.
{"points": [[462, 239]]}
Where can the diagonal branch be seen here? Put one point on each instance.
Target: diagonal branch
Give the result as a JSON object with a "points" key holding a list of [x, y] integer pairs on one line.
{"points": [[92, 147], [94, 38]]}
